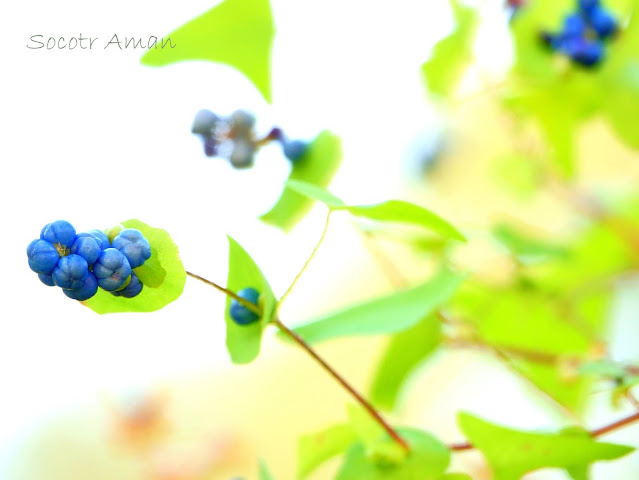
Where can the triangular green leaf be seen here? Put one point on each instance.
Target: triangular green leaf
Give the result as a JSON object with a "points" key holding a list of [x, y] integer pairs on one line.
{"points": [[317, 166], [238, 33], [243, 341], [404, 352], [163, 276], [452, 54], [389, 314], [512, 453], [314, 192]]}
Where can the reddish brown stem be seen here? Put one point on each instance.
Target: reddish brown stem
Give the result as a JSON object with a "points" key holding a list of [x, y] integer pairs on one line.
{"points": [[362, 401]]}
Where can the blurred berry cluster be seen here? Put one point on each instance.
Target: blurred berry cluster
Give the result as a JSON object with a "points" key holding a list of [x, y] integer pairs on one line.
{"points": [[235, 138], [80, 263], [583, 34]]}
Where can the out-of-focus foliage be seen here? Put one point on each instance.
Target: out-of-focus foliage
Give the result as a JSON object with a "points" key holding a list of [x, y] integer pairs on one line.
{"points": [[512, 453], [238, 33]]}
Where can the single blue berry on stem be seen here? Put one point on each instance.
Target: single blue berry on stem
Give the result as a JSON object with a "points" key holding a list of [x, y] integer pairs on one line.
{"points": [[294, 149], [111, 269], [241, 314]]}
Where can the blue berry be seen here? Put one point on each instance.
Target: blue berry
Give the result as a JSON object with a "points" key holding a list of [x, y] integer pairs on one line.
{"points": [[87, 246], [88, 288], [133, 245], [242, 155], [574, 26], [294, 150], [43, 257], [602, 22], [70, 272], [101, 237], [132, 289], [586, 53], [111, 269], [239, 313], [204, 123], [46, 279], [60, 232], [587, 5]]}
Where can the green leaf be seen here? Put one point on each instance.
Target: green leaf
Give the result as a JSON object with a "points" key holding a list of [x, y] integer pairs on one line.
{"points": [[512, 453], [243, 341], [238, 33], [452, 54], [456, 476], [427, 460], [316, 448], [603, 369], [397, 211], [317, 166], [265, 474], [525, 247], [163, 277], [389, 314], [405, 351]]}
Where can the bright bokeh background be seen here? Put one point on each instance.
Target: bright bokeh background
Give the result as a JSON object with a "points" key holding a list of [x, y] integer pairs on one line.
{"points": [[95, 138]]}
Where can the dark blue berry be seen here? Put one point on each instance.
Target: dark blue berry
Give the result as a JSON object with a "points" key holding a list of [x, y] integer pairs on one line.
{"points": [[133, 245], [111, 269], [204, 123], [43, 257], [602, 22], [46, 279], [70, 272], [587, 53], [88, 288], [60, 232], [133, 288], [87, 246], [239, 313], [294, 149]]}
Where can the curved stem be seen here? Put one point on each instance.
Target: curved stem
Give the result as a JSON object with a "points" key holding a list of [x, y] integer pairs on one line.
{"points": [[306, 264], [362, 401]]}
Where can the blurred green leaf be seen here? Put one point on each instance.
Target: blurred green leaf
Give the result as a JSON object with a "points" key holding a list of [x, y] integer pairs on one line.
{"points": [[396, 211], [452, 54], [164, 272], [603, 369], [428, 460], [456, 476], [525, 247], [405, 351], [265, 474], [518, 174], [238, 33], [317, 166], [389, 314], [243, 341], [316, 448], [512, 453]]}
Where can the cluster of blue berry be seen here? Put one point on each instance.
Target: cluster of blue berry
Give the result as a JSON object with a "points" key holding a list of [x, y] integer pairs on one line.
{"points": [[241, 314], [81, 263], [583, 34], [235, 138]]}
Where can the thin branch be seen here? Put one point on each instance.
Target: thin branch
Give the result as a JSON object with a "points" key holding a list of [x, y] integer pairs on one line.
{"points": [[250, 305], [362, 401], [306, 264]]}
